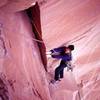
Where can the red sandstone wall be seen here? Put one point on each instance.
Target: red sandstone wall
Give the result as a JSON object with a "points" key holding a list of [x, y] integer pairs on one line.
{"points": [[22, 74]]}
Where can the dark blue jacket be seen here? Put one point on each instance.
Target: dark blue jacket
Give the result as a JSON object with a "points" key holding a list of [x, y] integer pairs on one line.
{"points": [[60, 49], [62, 55]]}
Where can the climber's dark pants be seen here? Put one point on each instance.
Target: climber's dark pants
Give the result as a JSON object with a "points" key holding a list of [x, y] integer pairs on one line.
{"points": [[59, 71]]}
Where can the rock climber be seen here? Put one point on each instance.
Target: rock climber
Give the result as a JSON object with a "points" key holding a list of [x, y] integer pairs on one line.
{"points": [[65, 54]]}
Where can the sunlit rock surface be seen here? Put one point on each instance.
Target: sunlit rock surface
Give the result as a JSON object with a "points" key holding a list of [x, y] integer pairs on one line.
{"points": [[63, 22]]}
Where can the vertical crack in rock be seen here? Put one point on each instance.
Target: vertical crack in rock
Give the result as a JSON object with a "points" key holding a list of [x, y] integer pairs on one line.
{"points": [[34, 16], [2, 44], [36, 93], [11, 83], [3, 90]]}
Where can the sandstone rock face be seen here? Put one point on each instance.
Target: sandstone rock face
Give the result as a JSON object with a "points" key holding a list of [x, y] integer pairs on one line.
{"points": [[28, 31], [21, 67]]}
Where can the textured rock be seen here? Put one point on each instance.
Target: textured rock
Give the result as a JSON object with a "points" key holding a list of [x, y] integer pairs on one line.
{"points": [[75, 22], [22, 60]]}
